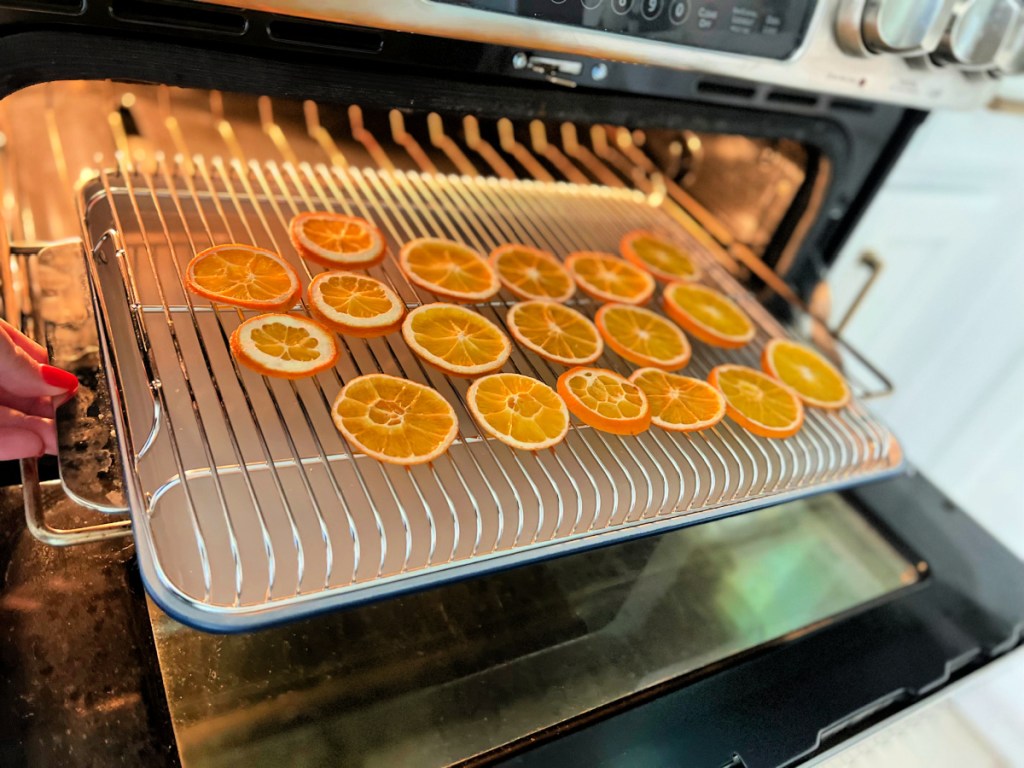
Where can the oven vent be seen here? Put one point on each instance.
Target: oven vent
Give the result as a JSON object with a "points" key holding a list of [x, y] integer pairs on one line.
{"points": [[178, 15], [731, 90], [71, 7], [849, 105], [792, 98], [324, 36]]}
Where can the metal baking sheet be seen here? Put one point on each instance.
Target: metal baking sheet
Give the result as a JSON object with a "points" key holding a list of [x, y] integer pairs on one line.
{"points": [[248, 506]]}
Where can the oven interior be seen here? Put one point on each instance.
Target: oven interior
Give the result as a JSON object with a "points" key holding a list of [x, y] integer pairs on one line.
{"points": [[590, 629]]}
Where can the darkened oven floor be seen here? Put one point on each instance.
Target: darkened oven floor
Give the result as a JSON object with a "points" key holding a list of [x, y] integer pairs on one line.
{"points": [[79, 681]]}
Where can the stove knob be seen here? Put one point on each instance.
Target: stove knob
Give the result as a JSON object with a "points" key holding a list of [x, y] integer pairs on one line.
{"points": [[977, 33], [1010, 59], [905, 27]]}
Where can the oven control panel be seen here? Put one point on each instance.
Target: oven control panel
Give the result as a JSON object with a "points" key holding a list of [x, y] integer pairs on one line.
{"points": [[768, 28]]}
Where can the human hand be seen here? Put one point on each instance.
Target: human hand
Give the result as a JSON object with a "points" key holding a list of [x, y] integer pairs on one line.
{"points": [[30, 390]]}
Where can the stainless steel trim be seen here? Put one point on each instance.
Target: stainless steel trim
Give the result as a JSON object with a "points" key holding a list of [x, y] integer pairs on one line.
{"points": [[821, 65]]}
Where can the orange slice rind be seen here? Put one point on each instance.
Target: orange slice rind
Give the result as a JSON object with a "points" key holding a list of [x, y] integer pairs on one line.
{"points": [[604, 277], [555, 332], [532, 274], [336, 241], [679, 403], [643, 337], [662, 258], [814, 379], [757, 402], [519, 411], [394, 420], [605, 400], [708, 315], [456, 339], [285, 346], [448, 269], [354, 305], [243, 276]]}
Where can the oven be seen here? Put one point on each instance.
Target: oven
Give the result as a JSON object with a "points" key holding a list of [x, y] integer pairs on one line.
{"points": [[208, 573]]}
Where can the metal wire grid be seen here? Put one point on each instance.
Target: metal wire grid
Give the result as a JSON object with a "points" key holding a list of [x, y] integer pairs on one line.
{"points": [[246, 492]]}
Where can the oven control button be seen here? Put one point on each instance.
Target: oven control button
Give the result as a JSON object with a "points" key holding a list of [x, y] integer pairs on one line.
{"points": [[591, 4], [707, 18], [622, 6], [905, 28], [977, 33], [651, 9], [678, 10]]}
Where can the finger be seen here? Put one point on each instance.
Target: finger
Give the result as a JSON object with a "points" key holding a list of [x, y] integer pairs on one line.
{"points": [[33, 350], [20, 444], [15, 428], [37, 406], [21, 375]]}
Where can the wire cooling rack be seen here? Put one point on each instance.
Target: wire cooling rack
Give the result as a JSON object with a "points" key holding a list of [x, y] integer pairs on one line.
{"points": [[249, 508]]}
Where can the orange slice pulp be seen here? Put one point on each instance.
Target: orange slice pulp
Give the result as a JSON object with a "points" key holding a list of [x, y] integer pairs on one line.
{"points": [[449, 269], [680, 403], [244, 276], [532, 274], [758, 402], [642, 336], [814, 379], [557, 333], [334, 240], [394, 420], [354, 304], [709, 315], [456, 339], [518, 410], [605, 400], [663, 259], [605, 277], [286, 346]]}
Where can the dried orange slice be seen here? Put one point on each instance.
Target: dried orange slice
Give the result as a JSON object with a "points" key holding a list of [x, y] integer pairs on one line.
{"points": [[556, 333], [642, 336], [394, 420], [709, 315], [814, 379], [758, 402], [680, 403], [531, 273], [519, 411], [333, 240], [355, 305], [449, 269], [605, 400], [456, 339], [243, 275], [286, 346], [663, 259], [605, 277]]}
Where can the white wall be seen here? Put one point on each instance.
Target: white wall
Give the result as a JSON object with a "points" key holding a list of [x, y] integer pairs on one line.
{"points": [[946, 319]]}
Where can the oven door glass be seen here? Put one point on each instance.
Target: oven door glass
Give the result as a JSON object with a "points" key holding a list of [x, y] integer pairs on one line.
{"points": [[434, 678]]}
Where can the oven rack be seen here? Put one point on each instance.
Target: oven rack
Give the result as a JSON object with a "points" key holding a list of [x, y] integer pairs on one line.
{"points": [[249, 508]]}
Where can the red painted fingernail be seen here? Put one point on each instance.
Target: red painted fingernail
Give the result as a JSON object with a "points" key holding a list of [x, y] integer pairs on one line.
{"points": [[57, 377]]}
